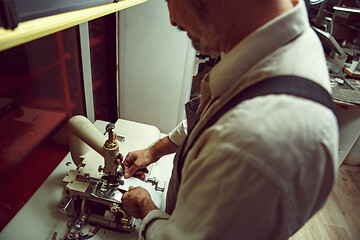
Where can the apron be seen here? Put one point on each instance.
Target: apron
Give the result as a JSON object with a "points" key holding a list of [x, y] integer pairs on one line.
{"points": [[174, 184]]}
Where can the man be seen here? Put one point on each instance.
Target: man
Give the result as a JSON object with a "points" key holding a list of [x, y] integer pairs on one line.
{"points": [[262, 168]]}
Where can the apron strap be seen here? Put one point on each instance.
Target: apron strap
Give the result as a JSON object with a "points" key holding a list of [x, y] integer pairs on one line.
{"points": [[291, 85]]}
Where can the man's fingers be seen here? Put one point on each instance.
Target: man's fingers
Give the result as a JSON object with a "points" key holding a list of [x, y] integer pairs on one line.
{"points": [[140, 175], [127, 174], [128, 160], [134, 166], [131, 170], [142, 170]]}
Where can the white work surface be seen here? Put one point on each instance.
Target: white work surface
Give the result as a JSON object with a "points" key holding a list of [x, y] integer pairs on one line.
{"points": [[40, 217]]}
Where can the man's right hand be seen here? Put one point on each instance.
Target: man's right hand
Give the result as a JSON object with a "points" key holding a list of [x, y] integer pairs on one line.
{"points": [[135, 163]]}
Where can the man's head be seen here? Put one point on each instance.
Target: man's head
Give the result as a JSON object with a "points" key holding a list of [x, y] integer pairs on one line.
{"points": [[194, 18], [217, 26]]}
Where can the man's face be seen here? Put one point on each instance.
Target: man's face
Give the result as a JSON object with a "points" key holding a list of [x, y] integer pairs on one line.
{"points": [[198, 30]]}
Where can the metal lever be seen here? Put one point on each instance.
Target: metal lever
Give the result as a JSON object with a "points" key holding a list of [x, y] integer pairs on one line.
{"points": [[65, 202], [155, 182], [329, 25]]}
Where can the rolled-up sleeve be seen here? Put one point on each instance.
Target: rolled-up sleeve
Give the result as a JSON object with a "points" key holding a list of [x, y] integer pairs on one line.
{"points": [[179, 134], [155, 215]]}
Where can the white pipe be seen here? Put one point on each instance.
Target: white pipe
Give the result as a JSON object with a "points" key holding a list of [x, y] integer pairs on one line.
{"points": [[82, 135]]}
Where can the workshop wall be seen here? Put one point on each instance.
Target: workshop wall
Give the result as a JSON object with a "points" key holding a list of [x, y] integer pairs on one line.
{"points": [[156, 66]]}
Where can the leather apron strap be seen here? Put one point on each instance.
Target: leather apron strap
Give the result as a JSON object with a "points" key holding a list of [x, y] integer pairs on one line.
{"points": [[290, 85]]}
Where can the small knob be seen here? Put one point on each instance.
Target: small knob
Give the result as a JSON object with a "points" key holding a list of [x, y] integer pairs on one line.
{"points": [[114, 207], [110, 127], [87, 176]]}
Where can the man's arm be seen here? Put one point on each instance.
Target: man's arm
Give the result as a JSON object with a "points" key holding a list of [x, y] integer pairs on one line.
{"points": [[163, 147], [136, 162]]}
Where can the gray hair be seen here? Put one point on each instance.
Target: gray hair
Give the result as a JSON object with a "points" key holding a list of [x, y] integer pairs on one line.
{"points": [[202, 16], [197, 6]]}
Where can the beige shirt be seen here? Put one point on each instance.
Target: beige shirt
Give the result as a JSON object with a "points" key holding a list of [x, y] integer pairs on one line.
{"points": [[266, 166]]}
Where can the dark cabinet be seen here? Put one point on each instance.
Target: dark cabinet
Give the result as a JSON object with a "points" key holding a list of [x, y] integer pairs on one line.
{"points": [[42, 86], [14, 11]]}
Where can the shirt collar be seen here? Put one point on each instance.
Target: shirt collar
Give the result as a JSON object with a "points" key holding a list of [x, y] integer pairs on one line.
{"points": [[256, 46]]}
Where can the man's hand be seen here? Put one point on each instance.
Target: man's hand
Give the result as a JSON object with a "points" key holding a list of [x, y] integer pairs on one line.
{"points": [[135, 163], [137, 202]]}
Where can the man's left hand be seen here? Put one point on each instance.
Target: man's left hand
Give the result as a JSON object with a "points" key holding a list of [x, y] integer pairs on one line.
{"points": [[137, 202]]}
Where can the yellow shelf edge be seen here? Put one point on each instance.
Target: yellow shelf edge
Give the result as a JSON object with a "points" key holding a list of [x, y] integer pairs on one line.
{"points": [[41, 27]]}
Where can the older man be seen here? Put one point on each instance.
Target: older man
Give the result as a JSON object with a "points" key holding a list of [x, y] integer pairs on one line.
{"points": [[261, 158]]}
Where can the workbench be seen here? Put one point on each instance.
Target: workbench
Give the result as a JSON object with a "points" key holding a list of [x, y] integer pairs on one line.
{"points": [[40, 217], [346, 97]]}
